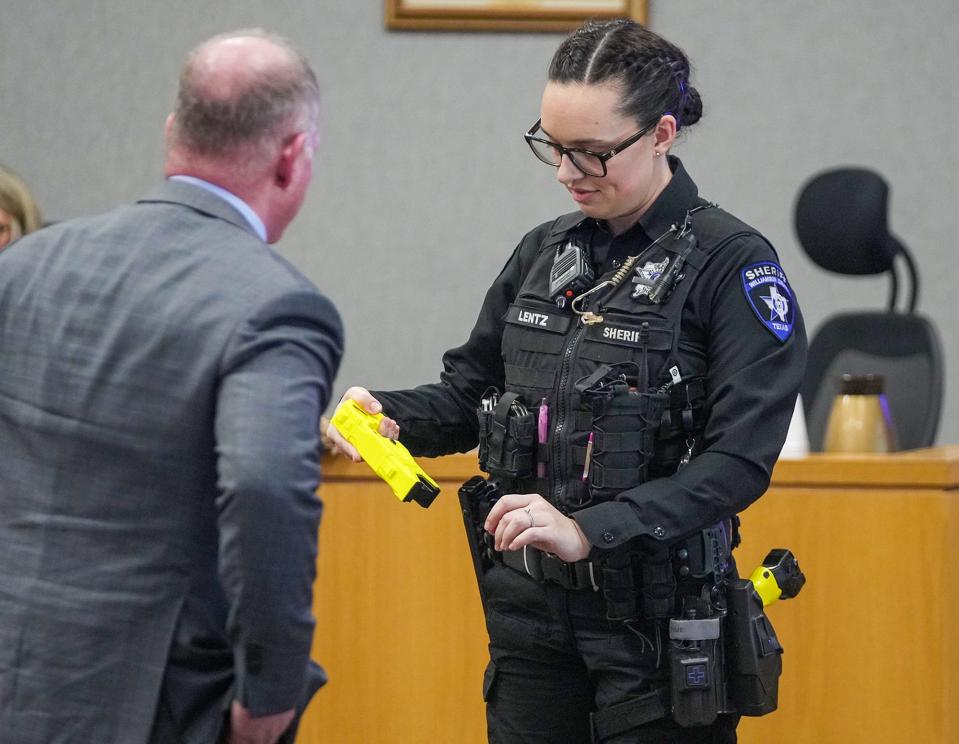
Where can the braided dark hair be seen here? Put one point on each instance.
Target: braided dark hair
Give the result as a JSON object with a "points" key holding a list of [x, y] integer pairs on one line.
{"points": [[653, 74]]}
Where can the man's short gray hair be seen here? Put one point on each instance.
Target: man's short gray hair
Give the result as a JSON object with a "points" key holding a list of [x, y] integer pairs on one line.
{"points": [[268, 103]]}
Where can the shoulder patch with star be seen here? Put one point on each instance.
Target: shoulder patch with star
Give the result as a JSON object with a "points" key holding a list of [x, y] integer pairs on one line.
{"points": [[768, 294]]}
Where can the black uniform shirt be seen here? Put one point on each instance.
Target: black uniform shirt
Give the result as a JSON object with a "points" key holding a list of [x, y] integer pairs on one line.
{"points": [[730, 334], [610, 251]]}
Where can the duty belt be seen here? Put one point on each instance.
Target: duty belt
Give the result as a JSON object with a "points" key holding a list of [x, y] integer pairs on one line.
{"points": [[541, 566]]}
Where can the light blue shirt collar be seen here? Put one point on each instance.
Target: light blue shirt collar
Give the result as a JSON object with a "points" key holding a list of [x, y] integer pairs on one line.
{"points": [[232, 199]]}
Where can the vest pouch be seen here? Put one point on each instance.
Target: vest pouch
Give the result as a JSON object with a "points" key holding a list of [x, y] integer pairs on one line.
{"points": [[534, 336], [485, 419], [507, 431], [645, 341], [685, 409], [623, 429], [753, 652]]}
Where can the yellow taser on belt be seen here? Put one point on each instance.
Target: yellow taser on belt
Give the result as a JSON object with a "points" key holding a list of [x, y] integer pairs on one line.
{"points": [[389, 459], [779, 576]]}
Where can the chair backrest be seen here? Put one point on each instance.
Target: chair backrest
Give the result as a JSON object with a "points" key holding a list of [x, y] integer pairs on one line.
{"points": [[841, 222], [904, 349]]}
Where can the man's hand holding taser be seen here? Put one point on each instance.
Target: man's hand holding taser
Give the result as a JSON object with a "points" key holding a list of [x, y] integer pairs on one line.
{"points": [[388, 427]]}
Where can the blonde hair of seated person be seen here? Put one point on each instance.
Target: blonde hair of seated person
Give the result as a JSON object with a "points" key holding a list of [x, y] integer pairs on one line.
{"points": [[19, 214]]}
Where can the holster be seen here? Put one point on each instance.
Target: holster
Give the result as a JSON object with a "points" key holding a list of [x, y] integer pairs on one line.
{"points": [[753, 650], [477, 497]]}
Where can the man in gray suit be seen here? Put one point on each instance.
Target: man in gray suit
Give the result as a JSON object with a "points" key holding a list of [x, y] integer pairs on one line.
{"points": [[162, 374]]}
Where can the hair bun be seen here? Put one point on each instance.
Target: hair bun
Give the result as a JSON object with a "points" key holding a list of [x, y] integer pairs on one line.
{"points": [[692, 107]]}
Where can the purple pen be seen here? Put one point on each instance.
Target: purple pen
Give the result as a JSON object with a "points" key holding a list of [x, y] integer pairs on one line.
{"points": [[542, 431]]}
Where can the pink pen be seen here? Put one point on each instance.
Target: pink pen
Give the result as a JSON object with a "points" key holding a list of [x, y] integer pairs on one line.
{"points": [[542, 431], [589, 456]]}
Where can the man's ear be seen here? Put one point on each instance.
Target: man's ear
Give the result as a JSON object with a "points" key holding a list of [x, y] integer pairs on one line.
{"points": [[289, 159], [168, 128]]}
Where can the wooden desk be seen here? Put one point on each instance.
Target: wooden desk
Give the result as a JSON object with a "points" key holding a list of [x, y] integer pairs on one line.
{"points": [[870, 656], [400, 626]]}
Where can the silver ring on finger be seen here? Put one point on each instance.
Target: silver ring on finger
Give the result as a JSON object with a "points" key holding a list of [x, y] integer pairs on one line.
{"points": [[530, 515]]}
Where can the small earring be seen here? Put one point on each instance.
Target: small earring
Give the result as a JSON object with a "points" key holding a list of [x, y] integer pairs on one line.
{"points": [[658, 153]]}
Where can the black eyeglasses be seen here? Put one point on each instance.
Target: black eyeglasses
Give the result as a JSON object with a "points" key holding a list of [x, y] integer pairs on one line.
{"points": [[589, 162]]}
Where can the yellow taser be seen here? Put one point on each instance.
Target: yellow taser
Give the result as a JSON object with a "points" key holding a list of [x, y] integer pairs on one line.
{"points": [[389, 459], [778, 577]]}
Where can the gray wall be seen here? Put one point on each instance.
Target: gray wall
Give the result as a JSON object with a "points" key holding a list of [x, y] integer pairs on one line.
{"points": [[424, 184]]}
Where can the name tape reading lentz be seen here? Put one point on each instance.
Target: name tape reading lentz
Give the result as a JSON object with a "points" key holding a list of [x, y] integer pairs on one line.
{"points": [[531, 318], [538, 319]]}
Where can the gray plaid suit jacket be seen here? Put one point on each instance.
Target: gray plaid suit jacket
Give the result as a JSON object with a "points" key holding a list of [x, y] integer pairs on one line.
{"points": [[162, 374]]}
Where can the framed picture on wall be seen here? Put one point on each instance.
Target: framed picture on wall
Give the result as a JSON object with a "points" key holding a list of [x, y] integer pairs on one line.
{"points": [[506, 15]]}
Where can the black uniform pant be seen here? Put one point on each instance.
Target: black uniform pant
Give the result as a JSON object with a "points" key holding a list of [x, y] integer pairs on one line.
{"points": [[555, 659]]}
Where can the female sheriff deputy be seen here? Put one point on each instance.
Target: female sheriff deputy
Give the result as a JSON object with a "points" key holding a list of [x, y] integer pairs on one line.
{"points": [[635, 366]]}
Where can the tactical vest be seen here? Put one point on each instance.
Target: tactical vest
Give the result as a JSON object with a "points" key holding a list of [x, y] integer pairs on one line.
{"points": [[631, 380]]}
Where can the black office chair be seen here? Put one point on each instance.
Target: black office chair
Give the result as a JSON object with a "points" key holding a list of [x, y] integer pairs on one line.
{"points": [[841, 221]]}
